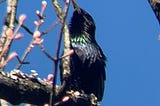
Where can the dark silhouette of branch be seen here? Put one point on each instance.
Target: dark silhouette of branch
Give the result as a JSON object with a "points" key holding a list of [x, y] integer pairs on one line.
{"points": [[25, 28], [155, 4]]}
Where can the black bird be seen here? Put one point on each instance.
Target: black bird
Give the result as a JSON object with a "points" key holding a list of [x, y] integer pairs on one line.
{"points": [[155, 4], [88, 60]]}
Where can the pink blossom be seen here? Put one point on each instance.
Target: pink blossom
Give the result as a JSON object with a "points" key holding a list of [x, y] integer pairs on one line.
{"points": [[65, 99], [12, 56], [70, 52], [9, 32], [38, 12], [50, 77], [36, 35], [37, 23], [44, 4], [22, 18], [18, 36]]}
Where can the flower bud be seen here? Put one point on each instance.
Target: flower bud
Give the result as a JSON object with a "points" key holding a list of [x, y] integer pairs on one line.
{"points": [[12, 56], [37, 12], [18, 36], [9, 32], [37, 23], [22, 19], [65, 99], [36, 35], [44, 4]]}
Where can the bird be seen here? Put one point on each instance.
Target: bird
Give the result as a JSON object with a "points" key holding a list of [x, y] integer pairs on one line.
{"points": [[88, 61], [155, 5]]}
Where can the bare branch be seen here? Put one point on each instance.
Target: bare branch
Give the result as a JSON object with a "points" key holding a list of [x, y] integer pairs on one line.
{"points": [[21, 61], [64, 29], [26, 28], [5, 42], [35, 35], [45, 52], [19, 88], [50, 28]]}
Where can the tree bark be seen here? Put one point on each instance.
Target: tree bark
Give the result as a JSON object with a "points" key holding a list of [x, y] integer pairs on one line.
{"points": [[17, 88], [20, 88]]}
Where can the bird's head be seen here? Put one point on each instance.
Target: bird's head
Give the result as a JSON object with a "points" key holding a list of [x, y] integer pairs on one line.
{"points": [[82, 23]]}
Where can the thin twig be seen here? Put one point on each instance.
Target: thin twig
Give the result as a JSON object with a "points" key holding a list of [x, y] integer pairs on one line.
{"points": [[31, 45], [62, 16], [43, 32], [26, 28], [21, 61], [45, 52], [51, 27]]}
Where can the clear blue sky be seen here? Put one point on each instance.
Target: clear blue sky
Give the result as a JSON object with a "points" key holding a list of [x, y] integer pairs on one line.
{"points": [[127, 31]]}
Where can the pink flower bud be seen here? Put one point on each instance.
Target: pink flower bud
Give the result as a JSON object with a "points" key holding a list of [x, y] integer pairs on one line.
{"points": [[12, 55], [36, 34], [37, 23], [9, 32], [65, 99], [22, 19], [50, 77], [44, 4], [70, 52], [37, 12], [18, 36]]}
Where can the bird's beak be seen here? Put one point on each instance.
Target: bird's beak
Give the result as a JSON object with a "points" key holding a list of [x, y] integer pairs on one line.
{"points": [[76, 7]]}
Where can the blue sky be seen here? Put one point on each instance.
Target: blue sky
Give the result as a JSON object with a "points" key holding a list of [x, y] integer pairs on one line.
{"points": [[127, 31]]}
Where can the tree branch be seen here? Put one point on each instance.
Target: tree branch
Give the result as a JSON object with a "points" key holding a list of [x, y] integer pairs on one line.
{"points": [[66, 61], [155, 5], [5, 42], [19, 88]]}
